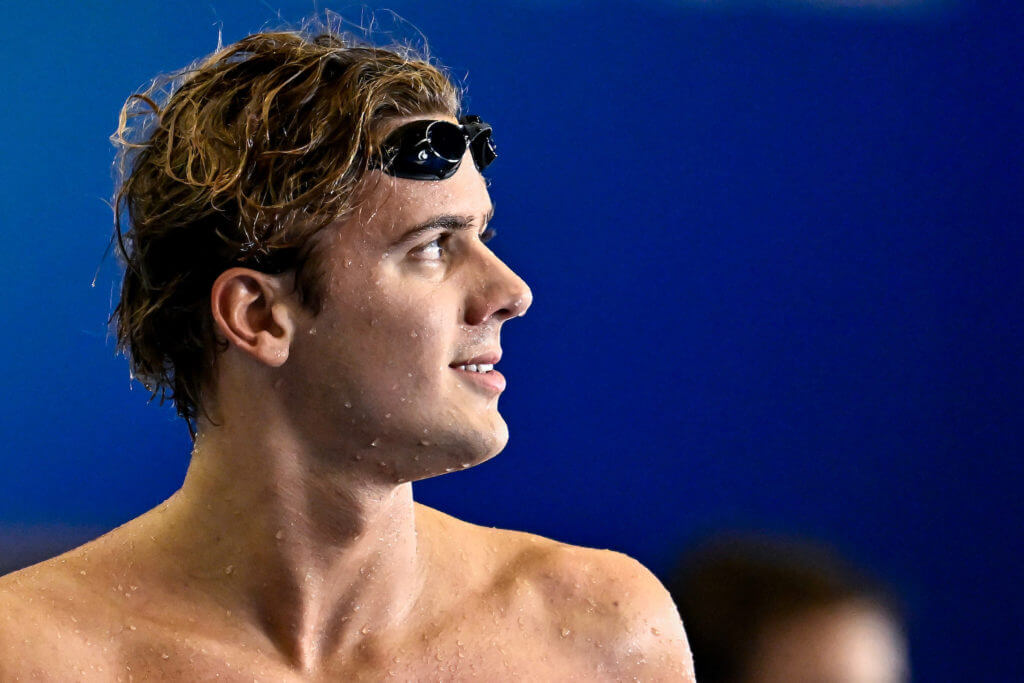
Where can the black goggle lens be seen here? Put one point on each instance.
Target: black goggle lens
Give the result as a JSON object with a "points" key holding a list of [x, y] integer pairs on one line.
{"points": [[447, 140], [433, 150], [482, 149], [481, 144]]}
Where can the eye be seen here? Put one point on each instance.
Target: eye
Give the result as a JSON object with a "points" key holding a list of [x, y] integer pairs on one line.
{"points": [[488, 234], [434, 250]]}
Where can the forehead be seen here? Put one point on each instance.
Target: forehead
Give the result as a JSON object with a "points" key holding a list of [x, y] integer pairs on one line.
{"points": [[388, 205]]}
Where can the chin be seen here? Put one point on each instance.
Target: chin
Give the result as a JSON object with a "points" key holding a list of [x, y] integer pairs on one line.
{"points": [[453, 451]]}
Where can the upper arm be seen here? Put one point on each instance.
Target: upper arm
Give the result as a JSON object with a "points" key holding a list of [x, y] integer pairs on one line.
{"points": [[16, 636], [623, 613], [652, 633], [37, 641]]}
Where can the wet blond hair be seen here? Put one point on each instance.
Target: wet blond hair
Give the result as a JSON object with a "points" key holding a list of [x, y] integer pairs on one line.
{"points": [[240, 159]]}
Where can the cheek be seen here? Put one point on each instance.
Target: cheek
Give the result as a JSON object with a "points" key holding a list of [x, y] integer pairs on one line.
{"points": [[406, 343], [392, 337], [416, 337]]}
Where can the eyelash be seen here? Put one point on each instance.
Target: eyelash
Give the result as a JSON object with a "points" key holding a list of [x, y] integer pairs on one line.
{"points": [[486, 236]]}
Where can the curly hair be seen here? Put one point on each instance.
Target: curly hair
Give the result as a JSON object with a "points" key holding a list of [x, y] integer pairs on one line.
{"points": [[240, 159]]}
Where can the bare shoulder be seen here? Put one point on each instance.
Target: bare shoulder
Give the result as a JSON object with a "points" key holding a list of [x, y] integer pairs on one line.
{"points": [[592, 605], [45, 623], [615, 606]]}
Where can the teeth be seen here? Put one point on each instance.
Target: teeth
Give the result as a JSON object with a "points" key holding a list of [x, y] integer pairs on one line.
{"points": [[481, 367]]}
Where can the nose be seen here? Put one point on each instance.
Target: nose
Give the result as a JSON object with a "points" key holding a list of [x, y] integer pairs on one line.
{"points": [[496, 292]]}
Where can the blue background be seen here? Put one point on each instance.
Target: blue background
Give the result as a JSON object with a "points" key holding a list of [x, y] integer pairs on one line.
{"points": [[776, 252]]}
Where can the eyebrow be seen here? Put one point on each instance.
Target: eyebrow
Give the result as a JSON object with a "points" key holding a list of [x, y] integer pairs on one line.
{"points": [[446, 221]]}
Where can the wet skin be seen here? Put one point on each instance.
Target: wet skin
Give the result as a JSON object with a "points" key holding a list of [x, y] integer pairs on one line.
{"points": [[293, 550]]}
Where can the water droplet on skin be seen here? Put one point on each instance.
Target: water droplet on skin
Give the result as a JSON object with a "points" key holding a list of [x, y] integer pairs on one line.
{"points": [[413, 334], [357, 457], [348, 404], [279, 535], [565, 632], [375, 443], [387, 416], [348, 263], [165, 656], [364, 630], [312, 330], [655, 631], [228, 569], [424, 442], [449, 469], [374, 322], [465, 465]]}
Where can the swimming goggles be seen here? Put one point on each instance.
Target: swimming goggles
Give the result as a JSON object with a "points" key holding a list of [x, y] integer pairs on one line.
{"points": [[433, 150]]}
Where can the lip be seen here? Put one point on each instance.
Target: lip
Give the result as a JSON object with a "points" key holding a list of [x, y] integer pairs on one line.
{"points": [[491, 382], [485, 358]]}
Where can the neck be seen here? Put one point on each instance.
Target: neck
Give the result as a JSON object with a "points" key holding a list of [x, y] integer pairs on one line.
{"points": [[315, 555]]}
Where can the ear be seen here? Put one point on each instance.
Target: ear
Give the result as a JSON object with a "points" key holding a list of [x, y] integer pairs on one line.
{"points": [[253, 311]]}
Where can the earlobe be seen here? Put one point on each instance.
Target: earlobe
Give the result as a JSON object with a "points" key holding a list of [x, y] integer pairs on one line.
{"points": [[250, 312]]}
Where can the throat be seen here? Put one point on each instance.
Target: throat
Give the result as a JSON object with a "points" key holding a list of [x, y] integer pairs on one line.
{"points": [[315, 563]]}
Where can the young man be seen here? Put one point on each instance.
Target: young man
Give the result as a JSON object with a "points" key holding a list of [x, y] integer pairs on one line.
{"points": [[307, 278]]}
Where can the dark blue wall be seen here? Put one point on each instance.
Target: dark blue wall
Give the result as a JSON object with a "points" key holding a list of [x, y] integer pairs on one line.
{"points": [[777, 264]]}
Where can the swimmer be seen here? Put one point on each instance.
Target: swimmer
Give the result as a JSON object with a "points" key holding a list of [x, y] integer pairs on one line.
{"points": [[304, 226]]}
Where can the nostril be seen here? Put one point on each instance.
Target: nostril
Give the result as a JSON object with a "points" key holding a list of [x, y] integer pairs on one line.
{"points": [[501, 294]]}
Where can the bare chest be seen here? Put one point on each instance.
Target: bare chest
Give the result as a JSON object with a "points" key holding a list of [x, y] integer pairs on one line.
{"points": [[469, 653]]}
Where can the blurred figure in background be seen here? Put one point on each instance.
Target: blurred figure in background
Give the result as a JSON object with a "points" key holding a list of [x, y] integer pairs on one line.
{"points": [[766, 611]]}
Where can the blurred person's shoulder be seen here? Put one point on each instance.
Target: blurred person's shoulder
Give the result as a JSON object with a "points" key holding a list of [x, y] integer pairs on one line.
{"points": [[598, 608]]}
